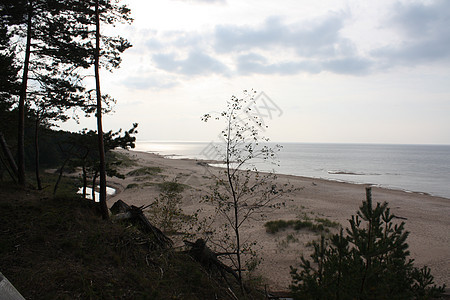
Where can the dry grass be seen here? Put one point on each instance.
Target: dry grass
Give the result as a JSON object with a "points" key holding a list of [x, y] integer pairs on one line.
{"points": [[61, 249]]}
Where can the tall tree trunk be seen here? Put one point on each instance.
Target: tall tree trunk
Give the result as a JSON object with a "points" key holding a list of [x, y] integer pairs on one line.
{"points": [[61, 171], [22, 100], [231, 183], [7, 168], [84, 180], [9, 158], [36, 151], [94, 185], [101, 147]]}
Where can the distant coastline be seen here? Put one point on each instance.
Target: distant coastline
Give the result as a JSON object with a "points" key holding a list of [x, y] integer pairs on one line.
{"points": [[423, 169]]}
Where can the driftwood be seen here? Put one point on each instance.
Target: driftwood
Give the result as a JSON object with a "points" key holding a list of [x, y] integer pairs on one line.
{"points": [[122, 211], [208, 258]]}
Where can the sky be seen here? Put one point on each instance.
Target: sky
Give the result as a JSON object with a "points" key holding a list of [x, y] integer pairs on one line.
{"points": [[332, 71]]}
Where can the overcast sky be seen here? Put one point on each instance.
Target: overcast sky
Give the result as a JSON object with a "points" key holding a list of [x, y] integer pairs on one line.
{"points": [[334, 71]]}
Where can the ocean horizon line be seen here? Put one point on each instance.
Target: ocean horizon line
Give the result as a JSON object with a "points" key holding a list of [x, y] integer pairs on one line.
{"points": [[293, 142]]}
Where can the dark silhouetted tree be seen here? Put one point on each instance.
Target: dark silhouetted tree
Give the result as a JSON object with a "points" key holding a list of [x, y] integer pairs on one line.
{"points": [[81, 150], [63, 36], [47, 39], [9, 87], [105, 51]]}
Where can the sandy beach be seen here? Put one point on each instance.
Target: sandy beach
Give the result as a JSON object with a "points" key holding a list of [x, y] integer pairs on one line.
{"points": [[427, 217]]}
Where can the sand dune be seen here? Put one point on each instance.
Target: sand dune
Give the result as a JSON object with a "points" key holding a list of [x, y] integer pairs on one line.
{"points": [[427, 217]]}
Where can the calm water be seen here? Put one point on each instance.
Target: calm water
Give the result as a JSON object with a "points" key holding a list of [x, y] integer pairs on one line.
{"points": [[418, 168]]}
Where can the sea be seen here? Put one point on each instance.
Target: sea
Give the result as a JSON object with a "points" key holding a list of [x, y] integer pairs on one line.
{"points": [[412, 168]]}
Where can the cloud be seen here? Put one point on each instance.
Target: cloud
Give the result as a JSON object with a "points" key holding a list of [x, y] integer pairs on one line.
{"points": [[153, 44], [415, 53], [419, 19], [275, 46], [148, 82], [312, 39], [196, 63], [257, 64], [348, 65], [205, 1], [424, 31], [311, 47], [315, 46]]}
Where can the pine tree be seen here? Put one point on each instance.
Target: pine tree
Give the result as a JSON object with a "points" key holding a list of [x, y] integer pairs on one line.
{"points": [[106, 51], [59, 39], [9, 88], [370, 262], [9, 75], [49, 53]]}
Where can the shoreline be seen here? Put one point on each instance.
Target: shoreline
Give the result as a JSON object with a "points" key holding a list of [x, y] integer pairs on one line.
{"points": [[408, 167], [374, 185], [427, 216]]}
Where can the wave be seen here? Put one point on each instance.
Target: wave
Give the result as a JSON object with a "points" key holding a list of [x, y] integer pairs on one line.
{"points": [[340, 172]]}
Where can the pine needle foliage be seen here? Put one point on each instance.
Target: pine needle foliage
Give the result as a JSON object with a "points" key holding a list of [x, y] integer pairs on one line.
{"points": [[370, 262]]}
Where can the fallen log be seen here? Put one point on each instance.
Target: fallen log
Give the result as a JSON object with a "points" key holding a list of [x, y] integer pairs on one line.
{"points": [[122, 211], [119, 207], [208, 258]]}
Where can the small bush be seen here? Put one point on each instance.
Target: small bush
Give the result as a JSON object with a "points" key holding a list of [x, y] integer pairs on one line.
{"points": [[145, 171], [166, 211], [171, 187], [275, 226], [327, 223], [321, 226], [125, 160], [132, 186], [303, 224]]}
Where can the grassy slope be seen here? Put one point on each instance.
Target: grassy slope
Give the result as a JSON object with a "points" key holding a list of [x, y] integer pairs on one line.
{"points": [[61, 249]]}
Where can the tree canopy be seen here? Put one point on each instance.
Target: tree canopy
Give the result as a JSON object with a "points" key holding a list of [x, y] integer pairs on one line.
{"points": [[55, 43]]}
